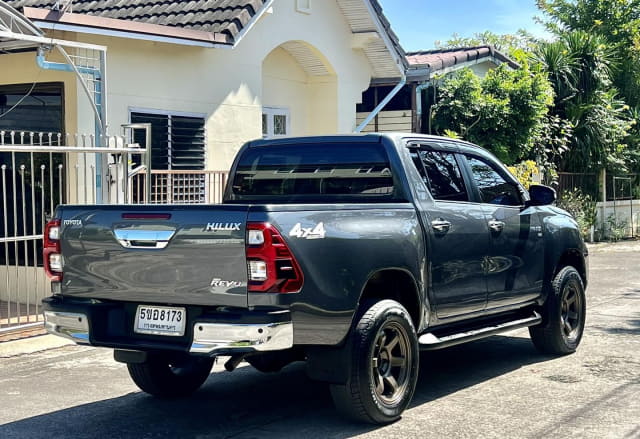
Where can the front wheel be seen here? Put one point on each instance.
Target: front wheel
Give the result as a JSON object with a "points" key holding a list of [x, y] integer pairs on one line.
{"points": [[563, 315], [384, 365], [165, 377]]}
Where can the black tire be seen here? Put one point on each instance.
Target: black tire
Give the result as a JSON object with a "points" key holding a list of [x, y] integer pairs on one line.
{"points": [[384, 365], [563, 315], [170, 378]]}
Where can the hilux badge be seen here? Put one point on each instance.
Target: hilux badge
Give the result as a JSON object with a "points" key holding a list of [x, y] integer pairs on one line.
{"points": [[219, 227]]}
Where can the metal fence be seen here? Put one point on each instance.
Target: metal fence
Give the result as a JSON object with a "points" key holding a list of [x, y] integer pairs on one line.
{"points": [[180, 187], [586, 183], [617, 197], [38, 171]]}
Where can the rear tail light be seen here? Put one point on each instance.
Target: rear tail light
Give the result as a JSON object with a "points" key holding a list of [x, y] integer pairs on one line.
{"points": [[51, 251], [271, 266]]}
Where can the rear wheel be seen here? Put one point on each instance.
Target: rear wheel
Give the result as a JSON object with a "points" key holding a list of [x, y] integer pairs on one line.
{"points": [[166, 377], [563, 315], [384, 365]]}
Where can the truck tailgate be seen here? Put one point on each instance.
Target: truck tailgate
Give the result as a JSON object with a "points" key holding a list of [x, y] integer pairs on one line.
{"points": [[155, 254]]}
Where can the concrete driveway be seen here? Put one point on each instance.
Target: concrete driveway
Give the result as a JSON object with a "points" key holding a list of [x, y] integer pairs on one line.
{"points": [[498, 387]]}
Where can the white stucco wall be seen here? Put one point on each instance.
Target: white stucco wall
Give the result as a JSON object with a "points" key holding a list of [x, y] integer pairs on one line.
{"points": [[21, 68], [481, 69], [226, 85], [285, 84]]}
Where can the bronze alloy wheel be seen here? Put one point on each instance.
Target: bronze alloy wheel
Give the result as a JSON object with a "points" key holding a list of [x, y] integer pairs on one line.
{"points": [[563, 315], [383, 361], [571, 308], [390, 363]]}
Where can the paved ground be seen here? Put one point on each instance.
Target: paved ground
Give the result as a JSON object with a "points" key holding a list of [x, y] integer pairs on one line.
{"points": [[498, 387]]}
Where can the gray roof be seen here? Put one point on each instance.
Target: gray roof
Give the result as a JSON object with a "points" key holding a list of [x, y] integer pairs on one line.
{"points": [[227, 17], [395, 41], [440, 59]]}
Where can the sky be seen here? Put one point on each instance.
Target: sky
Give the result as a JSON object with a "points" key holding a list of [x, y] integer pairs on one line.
{"points": [[419, 23]]}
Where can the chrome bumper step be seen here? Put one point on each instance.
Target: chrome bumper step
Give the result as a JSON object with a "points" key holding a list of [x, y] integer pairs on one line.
{"points": [[430, 341]]}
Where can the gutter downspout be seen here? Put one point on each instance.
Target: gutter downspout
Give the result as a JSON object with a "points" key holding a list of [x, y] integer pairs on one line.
{"points": [[100, 126], [381, 105], [396, 56], [419, 90]]}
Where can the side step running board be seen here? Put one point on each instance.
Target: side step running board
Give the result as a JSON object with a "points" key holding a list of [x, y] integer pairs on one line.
{"points": [[430, 341]]}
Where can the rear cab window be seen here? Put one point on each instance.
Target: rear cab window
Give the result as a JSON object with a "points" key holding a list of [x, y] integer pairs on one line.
{"points": [[322, 172]]}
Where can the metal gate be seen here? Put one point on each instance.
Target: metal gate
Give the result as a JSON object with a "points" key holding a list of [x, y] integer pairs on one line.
{"points": [[39, 171]]}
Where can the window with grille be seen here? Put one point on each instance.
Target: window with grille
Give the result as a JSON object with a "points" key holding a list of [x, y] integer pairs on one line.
{"points": [[275, 122], [178, 147]]}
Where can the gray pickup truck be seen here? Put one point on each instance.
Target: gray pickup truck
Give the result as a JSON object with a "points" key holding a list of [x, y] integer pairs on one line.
{"points": [[352, 253]]}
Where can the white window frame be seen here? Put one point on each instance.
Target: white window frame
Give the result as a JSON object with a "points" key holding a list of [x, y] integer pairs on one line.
{"points": [[270, 112], [304, 6]]}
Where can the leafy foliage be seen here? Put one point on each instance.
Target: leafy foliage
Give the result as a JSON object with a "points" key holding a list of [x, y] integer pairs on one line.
{"points": [[616, 26], [525, 172], [579, 68], [503, 112], [582, 207]]}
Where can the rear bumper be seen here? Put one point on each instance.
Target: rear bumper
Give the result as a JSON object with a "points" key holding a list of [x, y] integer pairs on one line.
{"points": [[110, 324]]}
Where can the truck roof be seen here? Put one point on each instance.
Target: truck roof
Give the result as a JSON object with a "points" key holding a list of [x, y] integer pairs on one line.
{"points": [[360, 137]]}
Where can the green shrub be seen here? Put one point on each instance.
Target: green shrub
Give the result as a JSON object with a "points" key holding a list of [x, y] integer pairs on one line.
{"points": [[582, 207]]}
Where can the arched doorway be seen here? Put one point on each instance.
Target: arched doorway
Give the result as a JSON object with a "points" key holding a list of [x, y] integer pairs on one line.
{"points": [[299, 92]]}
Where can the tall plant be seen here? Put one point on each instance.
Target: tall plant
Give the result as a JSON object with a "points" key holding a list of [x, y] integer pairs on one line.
{"points": [[579, 66]]}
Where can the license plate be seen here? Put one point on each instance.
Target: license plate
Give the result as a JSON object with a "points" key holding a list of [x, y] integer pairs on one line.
{"points": [[160, 320]]}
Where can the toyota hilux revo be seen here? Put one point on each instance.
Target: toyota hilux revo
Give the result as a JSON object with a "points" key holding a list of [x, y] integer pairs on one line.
{"points": [[352, 253]]}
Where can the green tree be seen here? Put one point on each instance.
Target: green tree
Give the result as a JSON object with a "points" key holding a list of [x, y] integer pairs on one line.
{"points": [[617, 24], [504, 112], [579, 66]]}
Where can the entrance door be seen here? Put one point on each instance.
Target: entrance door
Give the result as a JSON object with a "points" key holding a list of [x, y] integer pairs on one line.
{"points": [[516, 257], [458, 235]]}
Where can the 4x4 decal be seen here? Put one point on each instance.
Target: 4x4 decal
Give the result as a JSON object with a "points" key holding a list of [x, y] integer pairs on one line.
{"points": [[316, 232]]}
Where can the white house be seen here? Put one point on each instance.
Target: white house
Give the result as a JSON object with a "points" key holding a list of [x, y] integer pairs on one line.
{"points": [[208, 74]]}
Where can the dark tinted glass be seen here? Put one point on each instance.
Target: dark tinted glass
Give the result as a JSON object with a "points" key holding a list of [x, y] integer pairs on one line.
{"points": [[443, 176], [313, 172], [494, 189]]}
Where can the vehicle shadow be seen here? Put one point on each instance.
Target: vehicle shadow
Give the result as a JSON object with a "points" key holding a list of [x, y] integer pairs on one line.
{"points": [[249, 404]]}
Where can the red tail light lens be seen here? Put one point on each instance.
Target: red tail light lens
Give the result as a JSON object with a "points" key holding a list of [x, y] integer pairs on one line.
{"points": [[271, 266], [52, 255]]}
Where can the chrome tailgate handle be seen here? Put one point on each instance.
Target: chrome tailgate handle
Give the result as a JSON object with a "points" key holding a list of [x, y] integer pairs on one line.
{"points": [[145, 239]]}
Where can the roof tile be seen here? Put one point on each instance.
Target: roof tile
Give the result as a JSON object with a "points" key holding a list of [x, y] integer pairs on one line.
{"points": [[220, 16], [439, 59]]}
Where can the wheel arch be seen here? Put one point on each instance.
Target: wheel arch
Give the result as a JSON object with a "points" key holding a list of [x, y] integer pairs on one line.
{"points": [[397, 284], [575, 259]]}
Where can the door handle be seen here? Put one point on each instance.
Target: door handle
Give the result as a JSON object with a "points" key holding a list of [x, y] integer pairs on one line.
{"points": [[147, 239], [496, 226], [440, 225]]}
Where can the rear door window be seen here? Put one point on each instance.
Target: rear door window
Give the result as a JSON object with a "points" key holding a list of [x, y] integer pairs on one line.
{"points": [[441, 174], [313, 172]]}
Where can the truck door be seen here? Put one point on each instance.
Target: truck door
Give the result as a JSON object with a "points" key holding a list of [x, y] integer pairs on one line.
{"points": [[458, 234], [516, 253]]}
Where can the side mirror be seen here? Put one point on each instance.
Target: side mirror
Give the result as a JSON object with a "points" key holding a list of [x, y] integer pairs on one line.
{"points": [[541, 195]]}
